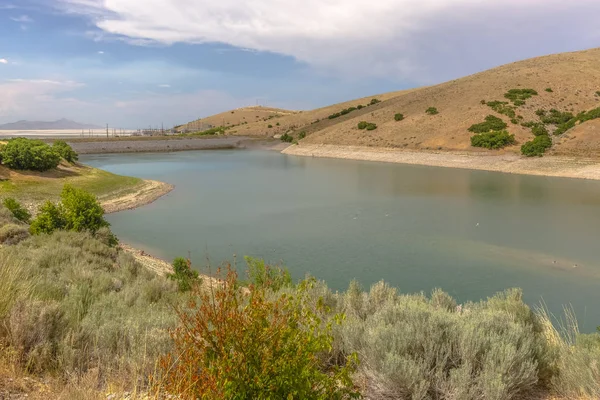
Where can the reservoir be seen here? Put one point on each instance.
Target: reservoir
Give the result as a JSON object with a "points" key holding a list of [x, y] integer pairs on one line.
{"points": [[471, 233]]}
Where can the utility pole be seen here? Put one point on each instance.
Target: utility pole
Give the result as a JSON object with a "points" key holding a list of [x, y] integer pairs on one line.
{"points": [[107, 131]]}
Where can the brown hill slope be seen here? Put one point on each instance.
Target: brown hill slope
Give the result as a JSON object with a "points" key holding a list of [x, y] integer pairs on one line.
{"points": [[573, 78], [244, 115]]}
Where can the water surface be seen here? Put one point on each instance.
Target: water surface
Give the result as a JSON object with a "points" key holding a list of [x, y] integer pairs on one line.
{"points": [[472, 233]]}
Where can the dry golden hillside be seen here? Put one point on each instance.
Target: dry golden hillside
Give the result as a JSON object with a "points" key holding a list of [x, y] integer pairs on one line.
{"points": [[239, 116], [574, 79]]}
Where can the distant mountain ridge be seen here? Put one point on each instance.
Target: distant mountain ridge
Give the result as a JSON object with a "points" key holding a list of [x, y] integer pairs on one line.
{"points": [[63, 123]]}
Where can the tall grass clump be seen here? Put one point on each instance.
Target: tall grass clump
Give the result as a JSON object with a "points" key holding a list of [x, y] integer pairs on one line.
{"points": [[418, 347], [89, 307], [236, 344]]}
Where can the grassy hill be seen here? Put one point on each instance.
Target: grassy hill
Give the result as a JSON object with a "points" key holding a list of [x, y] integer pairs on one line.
{"points": [[567, 82]]}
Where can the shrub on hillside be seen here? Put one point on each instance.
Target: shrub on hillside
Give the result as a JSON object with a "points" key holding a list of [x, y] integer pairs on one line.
{"points": [[432, 111], [502, 107], [287, 138], [269, 126], [371, 126], [302, 135], [65, 151], [17, 210], [398, 117], [536, 147], [492, 123], [28, 154], [77, 210], [255, 345], [539, 130], [549, 90], [265, 276], [518, 96], [362, 124], [492, 140], [374, 101], [555, 117], [598, 93], [183, 274]]}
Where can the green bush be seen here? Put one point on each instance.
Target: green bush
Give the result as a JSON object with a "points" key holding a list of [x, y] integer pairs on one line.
{"points": [[398, 117], [492, 123], [270, 126], [78, 211], [518, 96], [539, 130], [302, 135], [287, 138], [374, 101], [549, 90], [344, 112], [265, 276], [362, 124], [502, 107], [514, 121], [65, 151], [598, 93], [432, 111], [540, 112], [536, 147], [492, 140], [17, 210], [255, 344], [555, 117], [371, 126], [184, 275], [28, 154]]}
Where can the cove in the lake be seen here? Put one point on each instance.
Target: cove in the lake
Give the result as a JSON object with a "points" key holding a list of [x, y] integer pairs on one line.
{"points": [[471, 233]]}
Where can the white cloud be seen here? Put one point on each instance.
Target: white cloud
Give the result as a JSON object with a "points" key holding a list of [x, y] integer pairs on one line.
{"points": [[3, 61], [23, 19], [100, 52], [383, 37], [164, 85], [28, 98]]}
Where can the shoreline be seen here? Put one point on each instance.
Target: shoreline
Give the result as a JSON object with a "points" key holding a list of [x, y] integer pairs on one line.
{"points": [[554, 166], [147, 193]]}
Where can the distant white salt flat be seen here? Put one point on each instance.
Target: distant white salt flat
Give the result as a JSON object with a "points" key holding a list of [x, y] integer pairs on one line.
{"points": [[61, 133]]}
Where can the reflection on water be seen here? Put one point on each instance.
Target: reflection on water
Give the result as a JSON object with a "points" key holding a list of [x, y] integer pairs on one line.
{"points": [[469, 232]]}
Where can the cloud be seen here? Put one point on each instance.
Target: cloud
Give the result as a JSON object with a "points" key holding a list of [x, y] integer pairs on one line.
{"points": [[22, 19], [37, 98], [3, 61], [386, 38], [100, 52], [164, 85]]}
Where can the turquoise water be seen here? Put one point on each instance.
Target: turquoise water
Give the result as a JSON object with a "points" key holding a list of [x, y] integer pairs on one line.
{"points": [[472, 233]]}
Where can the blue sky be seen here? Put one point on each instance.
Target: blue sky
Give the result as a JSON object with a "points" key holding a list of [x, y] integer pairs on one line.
{"points": [[135, 63]]}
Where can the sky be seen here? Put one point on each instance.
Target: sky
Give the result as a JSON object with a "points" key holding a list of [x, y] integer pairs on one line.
{"points": [[139, 63]]}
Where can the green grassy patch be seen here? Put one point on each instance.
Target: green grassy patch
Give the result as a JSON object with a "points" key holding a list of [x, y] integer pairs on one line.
{"points": [[33, 188]]}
